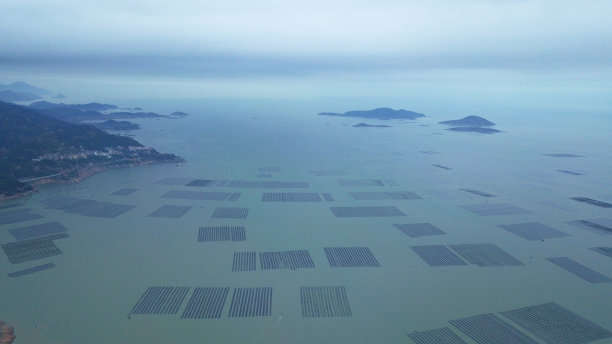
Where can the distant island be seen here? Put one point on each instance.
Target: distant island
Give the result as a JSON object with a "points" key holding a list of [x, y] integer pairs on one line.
{"points": [[117, 125], [36, 148], [365, 125], [380, 113], [78, 113], [12, 96], [469, 121], [179, 114], [475, 130]]}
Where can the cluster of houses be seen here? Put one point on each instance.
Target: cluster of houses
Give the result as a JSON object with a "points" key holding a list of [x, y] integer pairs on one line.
{"points": [[108, 152]]}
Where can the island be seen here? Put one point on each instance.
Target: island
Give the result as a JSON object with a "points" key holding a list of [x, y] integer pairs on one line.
{"points": [[36, 148], [79, 113], [379, 113], [469, 121], [365, 125], [117, 125], [475, 130], [12, 96]]}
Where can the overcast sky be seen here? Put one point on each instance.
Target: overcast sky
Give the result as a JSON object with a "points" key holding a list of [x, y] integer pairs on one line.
{"points": [[287, 37]]}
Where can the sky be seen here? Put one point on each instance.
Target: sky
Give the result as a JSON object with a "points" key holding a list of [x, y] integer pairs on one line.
{"points": [[283, 47]]}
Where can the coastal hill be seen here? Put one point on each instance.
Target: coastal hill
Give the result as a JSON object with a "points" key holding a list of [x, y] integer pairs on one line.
{"points": [[78, 113], [380, 113], [21, 92], [23, 87], [34, 145], [469, 121], [12, 96]]}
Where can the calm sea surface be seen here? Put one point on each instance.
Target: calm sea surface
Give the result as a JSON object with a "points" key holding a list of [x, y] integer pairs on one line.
{"points": [[108, 263]]}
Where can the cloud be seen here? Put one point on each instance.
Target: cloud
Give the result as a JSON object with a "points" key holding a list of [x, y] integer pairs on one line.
{"points": [[304, 36]]}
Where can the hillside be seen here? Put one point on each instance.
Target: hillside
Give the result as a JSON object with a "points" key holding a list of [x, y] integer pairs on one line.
{"points": [[34, 145]]}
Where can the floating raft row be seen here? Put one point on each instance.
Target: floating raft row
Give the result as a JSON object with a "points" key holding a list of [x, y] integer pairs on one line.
{"points": [[234, 196], [533, 231], [490, 329], [269, 169], [31, 270], [264, 175], [87, 207], [202, 183], [485, 255], [32, 249], [230, 213], [198, 195], [599, 226], [429, 152], [34, 231], [291, 259], [607, 251], [267, 184], [442, 167], [290, 197], [328, 173], [244, 261], [437, 255], [555, 324], [591, 201], [251, 302], [173, 181], [170, 211], [571, 172], [391, 182], [160, 300], [328, 197], [564, 155], [324, 302], [206, 303], [360, 182], [366, 211], [478, 192], [221, 233], [124, 192], [415, 230], [579, 270], [436, 336], [19, 215], [488, 209], [349, 257]]}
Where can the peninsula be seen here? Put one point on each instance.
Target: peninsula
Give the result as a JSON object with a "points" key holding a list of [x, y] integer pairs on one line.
{"points": [[379, 113], [35, 148]]}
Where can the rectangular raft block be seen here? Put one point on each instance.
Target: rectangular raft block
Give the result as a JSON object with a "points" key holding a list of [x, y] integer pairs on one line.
{"points": [[31, 270], [324, 302], [251, 302], [206, 303], [490, 329], [555, 324], [579, 270]]}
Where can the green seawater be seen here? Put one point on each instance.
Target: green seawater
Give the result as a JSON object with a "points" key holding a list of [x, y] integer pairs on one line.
{"points": [[107, 264]]}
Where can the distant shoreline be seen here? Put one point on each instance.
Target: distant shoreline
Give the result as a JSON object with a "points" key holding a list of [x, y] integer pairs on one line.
{"points": [[82, 175]]}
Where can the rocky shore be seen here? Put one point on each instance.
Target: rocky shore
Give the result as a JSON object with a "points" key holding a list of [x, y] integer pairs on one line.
{"points": [[7, 333]]}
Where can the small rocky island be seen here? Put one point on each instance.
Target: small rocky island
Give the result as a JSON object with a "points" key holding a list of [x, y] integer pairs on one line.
{"points": [[379, 113], [365, 125], [471, 124], [7, 333]]}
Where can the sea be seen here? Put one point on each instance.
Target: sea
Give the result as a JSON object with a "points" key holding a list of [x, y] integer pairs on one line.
{"points": [[499, 231]]}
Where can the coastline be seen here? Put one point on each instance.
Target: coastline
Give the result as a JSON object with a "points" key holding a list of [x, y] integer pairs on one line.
{"points": [[82, 175]]}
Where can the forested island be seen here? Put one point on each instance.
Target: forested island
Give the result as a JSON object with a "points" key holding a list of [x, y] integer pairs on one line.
{"points": [[36, 148]]}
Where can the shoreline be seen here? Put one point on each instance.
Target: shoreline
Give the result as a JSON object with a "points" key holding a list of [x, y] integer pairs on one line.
{"points": [[82, 175]]}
